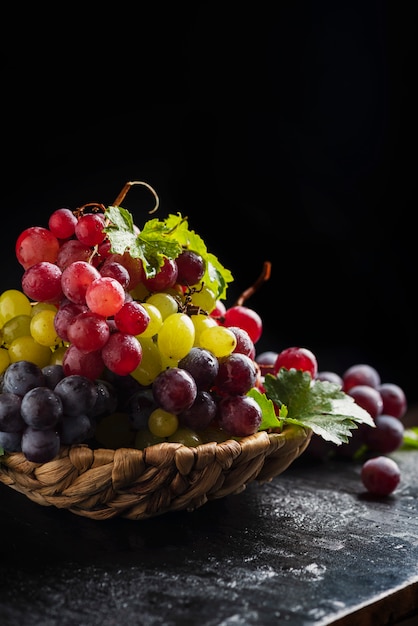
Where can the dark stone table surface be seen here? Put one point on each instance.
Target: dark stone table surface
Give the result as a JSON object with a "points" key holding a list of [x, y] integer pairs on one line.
{"points": [[310, 548]]}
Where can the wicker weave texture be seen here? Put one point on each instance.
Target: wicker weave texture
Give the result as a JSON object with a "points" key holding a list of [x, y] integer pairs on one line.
{"points": [[134, 484]]}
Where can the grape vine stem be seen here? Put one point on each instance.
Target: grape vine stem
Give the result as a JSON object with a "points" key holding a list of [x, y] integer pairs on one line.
{"points": [[120, 198], [264, 276]]}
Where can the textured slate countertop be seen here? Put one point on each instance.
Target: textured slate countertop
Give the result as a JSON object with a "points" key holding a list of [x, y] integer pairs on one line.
{"points": [[309, 548]]}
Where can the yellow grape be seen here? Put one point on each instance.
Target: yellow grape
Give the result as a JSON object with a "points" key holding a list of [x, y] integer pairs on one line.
{"points": [[4, 360], [43, 330], [204, 298], [162, 423], [57, 355], [165, 303], [200, 323], [13, 302], [27, 349], [186, 436], [37, 307], [219, 340], [17, 326], [150, 365], [155, 322], [176, 336]]}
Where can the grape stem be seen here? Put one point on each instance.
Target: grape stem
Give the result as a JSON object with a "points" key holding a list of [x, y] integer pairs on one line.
{"points": [[120, 198], [264, 276]]}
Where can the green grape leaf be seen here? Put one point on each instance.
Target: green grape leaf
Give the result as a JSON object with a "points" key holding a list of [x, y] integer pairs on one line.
{"points": [[319, 405], [160, 239]]}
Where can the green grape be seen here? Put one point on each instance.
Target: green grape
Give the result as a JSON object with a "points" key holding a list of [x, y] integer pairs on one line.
{"points": [[165, 303], [144, 438], [17, 326], [140, 292], [4, 360], [155, 322], [43, 330], [186, 436], [200, 323], [37, 307], [176, 336], [57, 355], [150, 365], [26, 348], [204, 298], [13, 302], [162, 423], [219, 340]]}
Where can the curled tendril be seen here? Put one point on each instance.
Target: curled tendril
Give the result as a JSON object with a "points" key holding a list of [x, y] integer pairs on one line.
{"points": [[120, 198], [264, 276]]}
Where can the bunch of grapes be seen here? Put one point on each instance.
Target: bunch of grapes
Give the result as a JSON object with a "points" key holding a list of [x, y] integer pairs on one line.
{"points": [[120, 337]]}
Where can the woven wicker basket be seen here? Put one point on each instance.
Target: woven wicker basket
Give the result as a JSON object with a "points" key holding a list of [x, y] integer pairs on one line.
{"points": [[134, 484]]}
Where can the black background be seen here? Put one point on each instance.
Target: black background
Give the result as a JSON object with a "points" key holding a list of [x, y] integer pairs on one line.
{"points": [[285, 133]]}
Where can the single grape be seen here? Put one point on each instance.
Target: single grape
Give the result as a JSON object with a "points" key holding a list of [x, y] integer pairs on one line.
{"points": [[368, 398], [150, 365], [360, 374], [245, 318], [203, 298], [162, 423], [380, 475], [139, 407], [42, 328], [41, 408], [105, 296], [165, 303], [22, 376], [28, 349], [18, 326], [201, 322], [78, 394], [62, 223], [219, 340], [387, 436], [297, 358], [40, 446], [186, 436], [237, 374], [11, 420], [330, 377], [394, 399], [42, 282], [164, 278], [106, 399], [174, 390], [191, 268], [245, 345], [239, 415], [132, 318], [202, 365], [90, 229], [201, 413], [11, 442], [132, 265], [176, 336], [36, 244], [88, 331], [266, 361], [53, 373], [116, 270], [122, 353], [13, 302], [76, 429], [155, 321], [89, 364], [72, 251]]}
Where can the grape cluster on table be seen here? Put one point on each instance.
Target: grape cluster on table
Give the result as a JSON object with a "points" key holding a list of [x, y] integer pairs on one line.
{"points": [[93, 350]]}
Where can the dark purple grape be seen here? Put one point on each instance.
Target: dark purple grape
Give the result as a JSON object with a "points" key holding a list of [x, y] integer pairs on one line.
{"points": [[11, 442], [237, 374], [106, 399], [78, 394], [76, 429], [53, 374], [41, 408], [22, 376], [380, 475], [40, 446], [139, 407], [239, 415], [330, 377], [245, 344], [191, 268], [387, 436], [11, 420], [201, 413], [174, 390], [202, 365]]}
